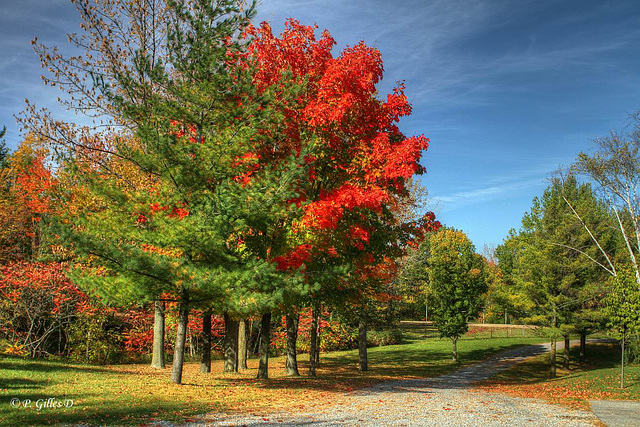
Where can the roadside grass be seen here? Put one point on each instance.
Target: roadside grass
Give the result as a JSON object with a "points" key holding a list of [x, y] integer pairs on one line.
{"points": [[598, 378], [139, 394]]}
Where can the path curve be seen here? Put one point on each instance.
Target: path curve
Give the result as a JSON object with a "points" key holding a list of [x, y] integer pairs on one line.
{"points": [[446, 400]]}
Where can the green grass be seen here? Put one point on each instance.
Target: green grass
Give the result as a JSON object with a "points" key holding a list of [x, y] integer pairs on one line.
{"points": [[429, 330], [130, 394], [598, 378]]}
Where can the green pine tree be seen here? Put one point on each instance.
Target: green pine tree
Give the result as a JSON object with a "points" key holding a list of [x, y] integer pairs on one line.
{"points": [[182, 206]]}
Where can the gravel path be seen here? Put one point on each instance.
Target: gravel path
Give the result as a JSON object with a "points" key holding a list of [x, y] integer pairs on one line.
{"points": [[446, 400]]}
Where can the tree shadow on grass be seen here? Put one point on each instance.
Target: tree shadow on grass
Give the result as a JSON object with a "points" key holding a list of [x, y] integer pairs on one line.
{"points": [[18, 363], [14, 384], [97, 415], [533, 371], [597, 356], [602, 356], [22, 375]]}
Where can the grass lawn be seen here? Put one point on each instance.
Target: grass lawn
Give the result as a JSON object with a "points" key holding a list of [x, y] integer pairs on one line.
{"points": [[598, 378], [136, 394]]}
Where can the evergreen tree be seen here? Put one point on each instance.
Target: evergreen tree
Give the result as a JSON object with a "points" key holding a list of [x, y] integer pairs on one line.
{"points": [[550, 260], [183, 207]]}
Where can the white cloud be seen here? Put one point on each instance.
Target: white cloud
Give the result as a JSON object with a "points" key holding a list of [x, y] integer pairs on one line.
{"points": [[492, 193]]}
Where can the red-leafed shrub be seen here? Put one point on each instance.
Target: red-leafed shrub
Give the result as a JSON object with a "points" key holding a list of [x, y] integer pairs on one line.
{"points": [[43, 313], [334, 334], [194, 339], [37, 305]]}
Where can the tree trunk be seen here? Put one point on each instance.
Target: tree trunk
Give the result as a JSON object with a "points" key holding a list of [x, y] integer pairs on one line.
{"points": [[552, 359], [362, 343], [86, 352], [230, 344], [157, 358], [291, 365], [454, 343], [265, 334], [567, 345], [242, 343], [624, 333], [583, 346], [205, 364], [256, 342], [318, 337], [178, 350], [317, 354], [552, 353], [314, 343]]}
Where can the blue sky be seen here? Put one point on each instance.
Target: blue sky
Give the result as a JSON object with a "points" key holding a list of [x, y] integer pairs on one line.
{"points": [[506, 90]]}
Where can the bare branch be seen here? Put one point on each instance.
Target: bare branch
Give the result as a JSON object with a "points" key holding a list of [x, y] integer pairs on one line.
{"points": [[611, 272], [593, 238]]}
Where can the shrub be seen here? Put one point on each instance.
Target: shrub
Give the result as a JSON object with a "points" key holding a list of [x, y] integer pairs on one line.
{"points": [[43, 313], [633, 344], [37, 305], [334, 334], [385, 337], [97, 338]]}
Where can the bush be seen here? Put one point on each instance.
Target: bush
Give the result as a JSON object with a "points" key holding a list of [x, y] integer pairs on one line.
{"points": [[385, 337], [338, 336], [37, 305], [43, 313], [633, 344], [97, 338], [334, 334]]}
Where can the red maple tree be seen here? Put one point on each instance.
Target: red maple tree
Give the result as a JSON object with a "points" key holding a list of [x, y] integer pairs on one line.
{"points": [[360, 163]]}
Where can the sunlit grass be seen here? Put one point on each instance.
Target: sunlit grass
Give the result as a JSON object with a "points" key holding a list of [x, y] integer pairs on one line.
{"points": [[138, 393]]}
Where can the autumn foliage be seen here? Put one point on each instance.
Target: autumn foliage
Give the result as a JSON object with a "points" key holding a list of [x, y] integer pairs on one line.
{"points": [[336, 335], [359, 161], [34, 186], [38, 301]]}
